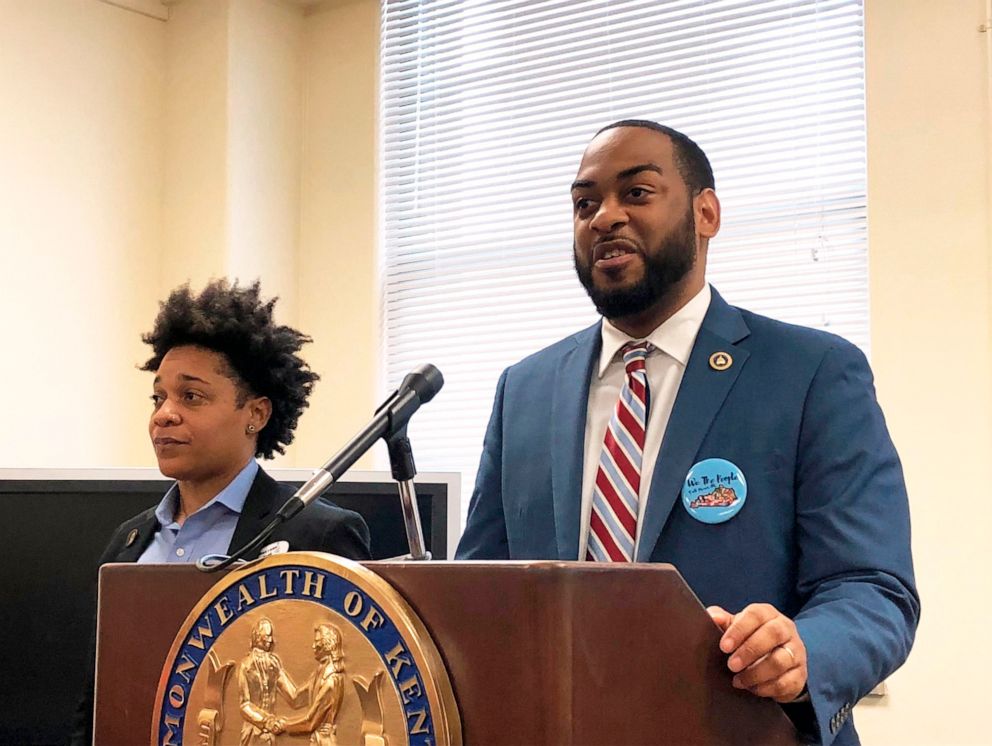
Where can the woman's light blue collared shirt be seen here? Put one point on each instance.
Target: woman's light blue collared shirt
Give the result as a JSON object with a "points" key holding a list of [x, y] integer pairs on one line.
{"points": [[207, 531]]}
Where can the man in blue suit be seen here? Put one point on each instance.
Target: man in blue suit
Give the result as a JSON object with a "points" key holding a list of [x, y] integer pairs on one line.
{"points": [[762, 470]]}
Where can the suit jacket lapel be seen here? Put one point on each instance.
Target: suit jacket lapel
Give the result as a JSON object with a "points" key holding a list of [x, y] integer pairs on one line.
{"points": [[258, 508], [570, 400], [145, 533], [700, 396]]}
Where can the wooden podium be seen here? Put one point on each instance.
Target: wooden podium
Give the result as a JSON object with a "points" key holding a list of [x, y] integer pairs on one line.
{"points": [[538, 653]]}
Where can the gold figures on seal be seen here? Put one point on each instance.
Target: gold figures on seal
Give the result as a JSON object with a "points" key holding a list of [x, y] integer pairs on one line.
{"points": [[260, 677], [326, 688]]}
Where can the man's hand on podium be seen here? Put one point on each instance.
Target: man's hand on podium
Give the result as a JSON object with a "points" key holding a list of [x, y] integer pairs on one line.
{"points": [[766, 652]]}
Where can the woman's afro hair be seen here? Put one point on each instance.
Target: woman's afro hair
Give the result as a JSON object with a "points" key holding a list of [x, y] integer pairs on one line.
{"points": [[236, 322]]}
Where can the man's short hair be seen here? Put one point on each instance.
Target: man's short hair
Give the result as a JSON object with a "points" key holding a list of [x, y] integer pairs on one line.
{"points": [[692, 163]]}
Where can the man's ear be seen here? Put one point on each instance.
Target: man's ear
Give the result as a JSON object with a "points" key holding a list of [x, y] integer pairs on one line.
{"points": [[706, 210]]}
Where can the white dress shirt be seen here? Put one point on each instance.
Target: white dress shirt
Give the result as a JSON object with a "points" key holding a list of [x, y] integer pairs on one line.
{"points": [[672, 342]]}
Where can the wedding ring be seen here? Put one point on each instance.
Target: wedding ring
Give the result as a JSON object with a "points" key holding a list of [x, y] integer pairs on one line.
{"points": [[789, 651]]}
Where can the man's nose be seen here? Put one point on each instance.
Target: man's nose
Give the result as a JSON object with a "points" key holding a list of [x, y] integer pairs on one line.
{"points": [[609, 217]]}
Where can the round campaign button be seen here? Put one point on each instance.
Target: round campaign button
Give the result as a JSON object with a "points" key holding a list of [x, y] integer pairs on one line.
{"points": [[714, 490]]}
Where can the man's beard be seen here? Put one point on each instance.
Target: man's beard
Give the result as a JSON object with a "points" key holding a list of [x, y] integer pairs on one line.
{"points": [[664, 268]]}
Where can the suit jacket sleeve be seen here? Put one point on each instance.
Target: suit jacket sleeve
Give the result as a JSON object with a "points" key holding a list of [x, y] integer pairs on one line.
{"points": [[854, 571], [347, 535], [485, 530]]}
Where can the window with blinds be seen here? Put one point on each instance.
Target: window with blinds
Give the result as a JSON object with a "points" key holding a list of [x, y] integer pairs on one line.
{"points": [[486, 106]]}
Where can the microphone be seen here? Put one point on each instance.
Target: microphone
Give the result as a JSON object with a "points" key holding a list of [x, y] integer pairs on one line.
{"points": [[417, 388]]}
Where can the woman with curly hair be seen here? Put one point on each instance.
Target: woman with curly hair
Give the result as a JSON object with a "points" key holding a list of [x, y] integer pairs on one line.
{"points": [[229, 387]]}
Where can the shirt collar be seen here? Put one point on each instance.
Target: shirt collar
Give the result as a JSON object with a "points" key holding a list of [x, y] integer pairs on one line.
{"points": [[675, 337], [232, 497]]}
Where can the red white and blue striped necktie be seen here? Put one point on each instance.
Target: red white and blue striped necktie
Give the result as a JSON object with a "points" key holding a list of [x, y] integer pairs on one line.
{"points": [[613, 521]]}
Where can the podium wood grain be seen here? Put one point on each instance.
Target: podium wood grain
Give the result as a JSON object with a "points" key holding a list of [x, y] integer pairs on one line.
{"points": [[539, 653]]}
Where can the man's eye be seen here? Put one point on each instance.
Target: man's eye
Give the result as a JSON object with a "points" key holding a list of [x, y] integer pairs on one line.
{"points": [[638, 192], [157, 400], [582, 204], [192, 396]]}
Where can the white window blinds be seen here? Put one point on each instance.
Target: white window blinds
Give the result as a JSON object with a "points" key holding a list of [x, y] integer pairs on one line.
{"points": [[486, 107]]}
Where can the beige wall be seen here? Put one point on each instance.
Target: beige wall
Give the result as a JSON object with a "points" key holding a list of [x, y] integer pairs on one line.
{"points": [[195, 144], [80, 227], [265, 127], [232, 150], [145, 153], [338, 297], [930, 253]]}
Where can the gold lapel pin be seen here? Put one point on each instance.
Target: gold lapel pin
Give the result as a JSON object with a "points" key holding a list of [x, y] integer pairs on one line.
{"points": [[721, 360], [132, 535]]}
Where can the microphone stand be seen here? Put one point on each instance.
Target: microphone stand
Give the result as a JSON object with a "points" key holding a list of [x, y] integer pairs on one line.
{"points": [[404, 470]]}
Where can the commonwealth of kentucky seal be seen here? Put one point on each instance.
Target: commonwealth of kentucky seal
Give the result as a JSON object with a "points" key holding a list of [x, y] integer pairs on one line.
{"points": [[304, 648]]}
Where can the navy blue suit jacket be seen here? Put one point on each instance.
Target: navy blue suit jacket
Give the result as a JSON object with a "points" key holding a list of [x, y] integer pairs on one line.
{"points": [[823, 535]]}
